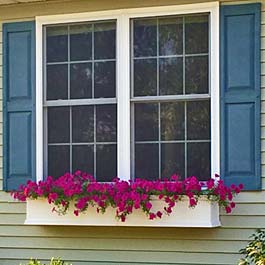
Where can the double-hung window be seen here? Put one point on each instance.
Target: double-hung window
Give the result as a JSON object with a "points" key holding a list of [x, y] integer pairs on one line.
{"points": [[80, 110], [170, 96], [130, 93]]}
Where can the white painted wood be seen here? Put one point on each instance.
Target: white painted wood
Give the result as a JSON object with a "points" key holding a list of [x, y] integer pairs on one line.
{"points": [[215, 91], [130, 12], [205, 214], [39, 102], [123, 98]]}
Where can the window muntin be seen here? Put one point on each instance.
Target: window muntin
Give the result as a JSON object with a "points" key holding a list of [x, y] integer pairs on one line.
{"points": [[170, 57], [80, 107]]}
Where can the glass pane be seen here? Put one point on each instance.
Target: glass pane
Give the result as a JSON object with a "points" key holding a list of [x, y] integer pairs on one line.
{"points": [[145, 37], [57, 45], [198, 120], [81, 42], [173, 160], [83, 124], [58, 160], [199, 160], [171, 76], [57, 82], [146, 122], [105, 40], [145, 77], [81, 80], [146, 161], [106, 122], [83, 158], [106, 162], [58, 125], [172, 121], [197, 75], [105, 80], [170, 36], [196, 34]]}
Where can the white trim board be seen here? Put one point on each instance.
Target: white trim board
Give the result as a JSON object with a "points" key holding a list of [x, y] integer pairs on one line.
{"points": [[123, 74]]}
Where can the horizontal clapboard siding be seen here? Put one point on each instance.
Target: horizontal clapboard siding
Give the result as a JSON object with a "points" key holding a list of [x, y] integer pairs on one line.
{"points": [[227, 234], [125, 245]]}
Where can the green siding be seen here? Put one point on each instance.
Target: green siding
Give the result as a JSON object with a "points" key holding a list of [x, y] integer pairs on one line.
{"points": [[125, 245]]}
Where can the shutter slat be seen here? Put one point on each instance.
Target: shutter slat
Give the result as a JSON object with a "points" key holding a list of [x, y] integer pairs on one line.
{"points": [[19, 103], [240, 95]]}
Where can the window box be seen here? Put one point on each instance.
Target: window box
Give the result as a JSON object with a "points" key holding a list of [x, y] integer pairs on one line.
{"points": [[205, 214]]}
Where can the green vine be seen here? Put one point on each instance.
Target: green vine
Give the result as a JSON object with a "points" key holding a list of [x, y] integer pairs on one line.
{"points": [[54, 261], [255, 250]]}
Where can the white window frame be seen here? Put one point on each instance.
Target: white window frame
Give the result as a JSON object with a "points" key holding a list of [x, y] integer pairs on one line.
{"points": [[123, 17]]}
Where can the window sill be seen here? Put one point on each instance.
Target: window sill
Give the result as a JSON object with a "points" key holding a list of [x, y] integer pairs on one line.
{"points": [[205, 214]]}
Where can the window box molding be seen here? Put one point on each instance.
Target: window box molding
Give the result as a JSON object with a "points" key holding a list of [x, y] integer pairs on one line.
{"points": [[123, 75], [205, 214]]}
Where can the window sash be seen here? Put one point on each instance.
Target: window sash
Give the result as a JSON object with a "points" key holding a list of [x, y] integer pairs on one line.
{"points": [[147, 53], [72, 102], [123, 76]]}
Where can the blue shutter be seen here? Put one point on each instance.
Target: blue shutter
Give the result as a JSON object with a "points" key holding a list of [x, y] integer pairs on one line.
{"points": [[19, 103], [240, 95]]}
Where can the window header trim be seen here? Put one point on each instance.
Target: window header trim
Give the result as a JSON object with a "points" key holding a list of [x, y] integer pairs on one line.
{"points": [[130, 12]]}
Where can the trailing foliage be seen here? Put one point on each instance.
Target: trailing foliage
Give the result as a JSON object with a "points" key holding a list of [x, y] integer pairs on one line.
{"points": [[54, 261], [125, 196], [255, 250]]}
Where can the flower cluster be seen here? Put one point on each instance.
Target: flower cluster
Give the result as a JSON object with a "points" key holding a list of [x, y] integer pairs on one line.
{"points": [[83, 190]]}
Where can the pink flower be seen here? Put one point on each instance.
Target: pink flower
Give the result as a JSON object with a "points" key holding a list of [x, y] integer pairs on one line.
{"points": [[52, 197], [125, 196], [174, 177], [217, 175], [168, 209], [230, 196], [233, 186], [210, 184], [152, 216], [26, 190], [167, 200], [148, 205], [175, 197], [192, 202], [101, 204], [144, 197], [232, 205], [228, 209], [123, 218], [237, 190], [159, 214], [76, 212], [171, 204], [81, 203], [137, 204]]}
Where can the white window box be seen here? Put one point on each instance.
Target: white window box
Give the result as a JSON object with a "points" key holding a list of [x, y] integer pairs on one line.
{"points": [[205, 214]]}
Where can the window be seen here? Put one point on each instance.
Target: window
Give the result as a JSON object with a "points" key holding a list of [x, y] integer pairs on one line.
{"points": [[170, 58], [131, 93], [80, 99]]}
